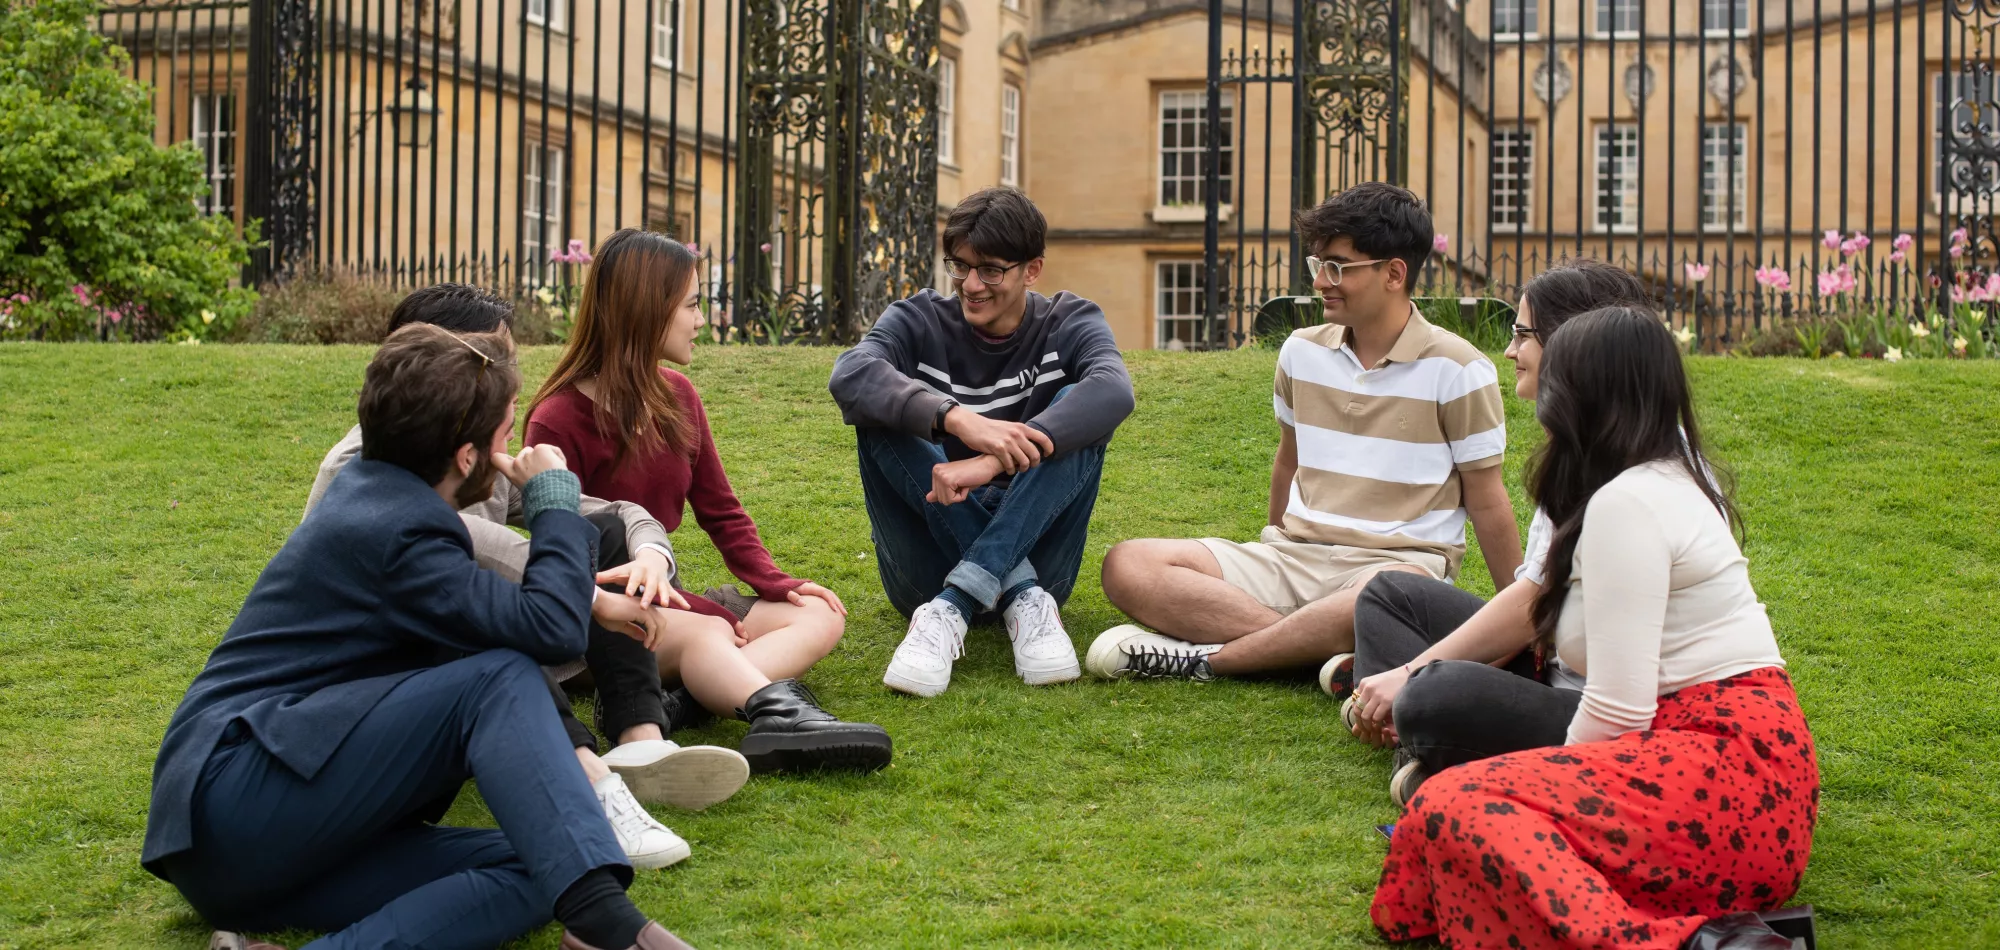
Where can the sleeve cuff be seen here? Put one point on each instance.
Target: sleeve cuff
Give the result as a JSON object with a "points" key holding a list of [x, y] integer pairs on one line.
{"points": [[554, 489], [662, 549]]}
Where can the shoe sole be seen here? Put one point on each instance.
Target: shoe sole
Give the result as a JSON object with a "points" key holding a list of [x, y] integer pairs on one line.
{"points": [[1101, 658], [691, 777], [662, 859], [1050, 677], [1348, 710], [1331, 681], [844, 750], [905, 684], [1404, 784]]}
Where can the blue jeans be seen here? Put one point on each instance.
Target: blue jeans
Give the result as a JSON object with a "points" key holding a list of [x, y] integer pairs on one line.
{"points": [[349, 850], [1031, 531]]}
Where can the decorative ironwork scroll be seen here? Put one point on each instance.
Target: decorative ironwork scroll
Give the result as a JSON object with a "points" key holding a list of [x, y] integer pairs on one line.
{"points": [[892, 117], [837, 182], [283, 172], [1356, 80]]}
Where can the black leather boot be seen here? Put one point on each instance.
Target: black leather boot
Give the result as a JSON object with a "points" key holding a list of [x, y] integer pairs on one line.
{"points": [[1737, 932], [684, 711], [790, 733]]}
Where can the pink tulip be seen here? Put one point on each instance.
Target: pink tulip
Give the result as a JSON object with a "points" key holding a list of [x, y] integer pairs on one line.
{"points": [[1957, 250], [1776, 278], [1958, 295], [694, 249], [1860, 241], [1847, 283], [765, 247], [1903, 242], [1696, 273], [1959, 236], [1440, 242], [1897, 256], [1831, 240], [1829, 283]]}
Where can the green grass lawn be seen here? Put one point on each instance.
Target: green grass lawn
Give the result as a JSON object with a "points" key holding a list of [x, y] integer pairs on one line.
{"points": [[142, 488]]}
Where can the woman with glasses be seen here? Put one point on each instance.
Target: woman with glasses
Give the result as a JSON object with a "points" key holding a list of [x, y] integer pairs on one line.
{"points": [[1447, 677], [635, 431], [1685, 791]]}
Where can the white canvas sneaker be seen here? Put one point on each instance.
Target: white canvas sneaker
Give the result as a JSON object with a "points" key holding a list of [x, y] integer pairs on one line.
{"points": [[1043, 653], [1129, 650], [922, 664], [646, 842], [661, 771]]}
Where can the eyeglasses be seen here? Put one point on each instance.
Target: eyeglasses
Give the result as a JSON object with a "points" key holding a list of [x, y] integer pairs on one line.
{"points": [[484, 361], [988, 273], [1524, 333], [1314, 266]]}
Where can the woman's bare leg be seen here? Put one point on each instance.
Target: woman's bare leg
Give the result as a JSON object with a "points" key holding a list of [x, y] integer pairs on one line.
{"points": [[701, 652], [787, 639]]}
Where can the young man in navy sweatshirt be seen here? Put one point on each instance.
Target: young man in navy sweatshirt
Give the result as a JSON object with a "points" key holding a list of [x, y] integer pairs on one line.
{"points": [[981, 420]]}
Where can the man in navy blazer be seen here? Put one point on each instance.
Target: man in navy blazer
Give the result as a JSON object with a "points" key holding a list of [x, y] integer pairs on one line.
{"points": [[374, 668]]}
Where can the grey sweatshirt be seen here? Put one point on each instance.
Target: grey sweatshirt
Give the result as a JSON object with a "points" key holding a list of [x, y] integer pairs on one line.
{"points": [[922, 351]]}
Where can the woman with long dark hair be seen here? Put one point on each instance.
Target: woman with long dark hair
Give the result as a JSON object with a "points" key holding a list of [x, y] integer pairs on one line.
{"points": [[1442, 675], [635, 431], [1688, 788]]}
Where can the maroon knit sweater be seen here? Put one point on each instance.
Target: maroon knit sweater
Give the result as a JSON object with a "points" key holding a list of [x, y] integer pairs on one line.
{"points": [[664, 484]]}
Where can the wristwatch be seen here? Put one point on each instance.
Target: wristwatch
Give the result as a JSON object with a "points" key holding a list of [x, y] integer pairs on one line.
{"points": [[937, 421]]}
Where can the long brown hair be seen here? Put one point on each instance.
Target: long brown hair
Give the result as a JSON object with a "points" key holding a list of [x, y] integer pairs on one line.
{"points": [[636, 282]]}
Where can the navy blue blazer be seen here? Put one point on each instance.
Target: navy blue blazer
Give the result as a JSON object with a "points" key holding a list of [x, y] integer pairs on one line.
{"points": [[377, 583]]}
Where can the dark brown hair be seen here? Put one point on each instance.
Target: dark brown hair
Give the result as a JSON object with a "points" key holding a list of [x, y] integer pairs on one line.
{"points": [[1383, 220], [429, 391], [1613, 395], [636, 282], [999, 223], [460, 308], [1580, 285]]}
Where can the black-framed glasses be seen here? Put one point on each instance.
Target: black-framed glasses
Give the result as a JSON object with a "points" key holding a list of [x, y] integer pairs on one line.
{"points": [[1315, 265], [1525, 333], [988, 273], [484, 361]]}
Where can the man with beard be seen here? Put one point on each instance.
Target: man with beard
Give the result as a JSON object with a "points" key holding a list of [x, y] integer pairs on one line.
{"points": [[633, 550], [374, 667]]}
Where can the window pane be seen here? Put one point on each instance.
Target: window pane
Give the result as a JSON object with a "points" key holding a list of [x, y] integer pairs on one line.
{"points": [[1512, 175], [1183, 147], [1617, 176]]}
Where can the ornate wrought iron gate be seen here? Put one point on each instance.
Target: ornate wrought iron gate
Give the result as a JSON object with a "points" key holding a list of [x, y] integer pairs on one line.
{"points": [[1344, 67], [1969, 139], [791, 142]]}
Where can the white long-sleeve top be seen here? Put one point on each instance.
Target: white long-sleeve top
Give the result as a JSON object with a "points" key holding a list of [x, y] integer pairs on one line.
{"points": [[1659, 600]]}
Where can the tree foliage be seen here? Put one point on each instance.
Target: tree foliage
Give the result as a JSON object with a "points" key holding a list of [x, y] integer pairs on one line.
{"points": [[100, 235]]}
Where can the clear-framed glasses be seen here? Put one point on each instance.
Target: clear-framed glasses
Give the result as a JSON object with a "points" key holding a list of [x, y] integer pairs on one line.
{"points": [[1315, 265], [988, 273]]}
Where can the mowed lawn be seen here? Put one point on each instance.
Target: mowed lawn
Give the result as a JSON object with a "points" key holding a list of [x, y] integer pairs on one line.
{"points": [[142, 488]]}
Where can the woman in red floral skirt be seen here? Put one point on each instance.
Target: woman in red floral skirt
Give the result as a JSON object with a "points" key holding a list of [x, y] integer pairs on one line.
{"points": [[1688, 789]]}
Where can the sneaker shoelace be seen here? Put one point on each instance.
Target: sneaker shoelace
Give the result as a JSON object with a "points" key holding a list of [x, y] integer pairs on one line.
{"points": [[1038, 623], [1150, 663], [631, 821], [935, 632]]}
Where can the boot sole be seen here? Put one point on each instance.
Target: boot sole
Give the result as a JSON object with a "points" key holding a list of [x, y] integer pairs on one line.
{"points": [[691, 777], [849, 750]]}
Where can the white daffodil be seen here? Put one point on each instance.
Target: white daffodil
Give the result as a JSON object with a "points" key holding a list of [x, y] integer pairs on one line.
{"points": [[207, 316], [1684, 335], [1919, 331], [1892, 355], [1958, 345]]}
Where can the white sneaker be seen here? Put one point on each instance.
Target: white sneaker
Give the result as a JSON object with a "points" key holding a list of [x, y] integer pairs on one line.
{"points": [[922, 664], [646, 842], [661, 771], [1129, 650], [1043, 653]]}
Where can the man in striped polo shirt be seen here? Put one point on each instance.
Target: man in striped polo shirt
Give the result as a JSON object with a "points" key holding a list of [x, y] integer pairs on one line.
{"points": [[1391, 432]]}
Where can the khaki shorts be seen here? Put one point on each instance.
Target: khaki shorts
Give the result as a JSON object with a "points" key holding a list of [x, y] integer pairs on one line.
{"points": [[1285, 575]]}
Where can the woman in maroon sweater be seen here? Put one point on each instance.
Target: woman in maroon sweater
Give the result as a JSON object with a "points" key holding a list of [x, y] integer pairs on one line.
{"points": [[635, 431]]}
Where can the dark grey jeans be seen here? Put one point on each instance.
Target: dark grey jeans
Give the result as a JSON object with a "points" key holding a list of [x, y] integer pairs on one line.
{"points": [[1452, 711]]}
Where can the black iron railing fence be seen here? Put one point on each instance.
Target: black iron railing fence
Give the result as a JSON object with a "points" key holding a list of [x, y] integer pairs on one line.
{"points": [[1759, 162], [791, 143]]}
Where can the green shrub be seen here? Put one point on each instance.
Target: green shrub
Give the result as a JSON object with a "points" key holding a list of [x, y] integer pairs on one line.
{"points": [[320, 308], [99, 234]]}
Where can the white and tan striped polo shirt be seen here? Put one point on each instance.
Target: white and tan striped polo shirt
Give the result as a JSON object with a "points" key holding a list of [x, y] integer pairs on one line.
{"points": [[1380, 447]]}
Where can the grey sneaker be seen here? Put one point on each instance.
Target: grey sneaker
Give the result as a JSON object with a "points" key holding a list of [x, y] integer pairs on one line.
{"points": [[1409, 776]]}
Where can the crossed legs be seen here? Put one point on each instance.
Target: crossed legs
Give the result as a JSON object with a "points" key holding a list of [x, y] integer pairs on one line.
{"points": [[1177, 587]]}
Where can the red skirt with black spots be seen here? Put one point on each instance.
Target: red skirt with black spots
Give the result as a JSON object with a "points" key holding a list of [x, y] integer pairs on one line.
{"points": [[1631, 843]]}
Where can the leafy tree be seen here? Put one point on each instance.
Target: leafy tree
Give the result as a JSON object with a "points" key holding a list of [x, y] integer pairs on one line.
{"points": [[100, 237]]}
